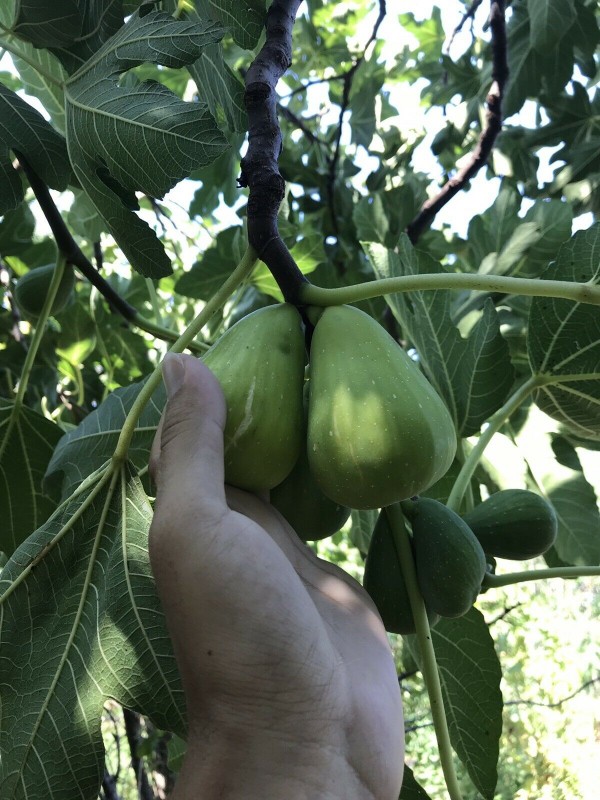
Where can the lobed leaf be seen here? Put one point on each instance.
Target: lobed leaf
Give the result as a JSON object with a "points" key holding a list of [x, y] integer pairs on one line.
{"points": [[27, 442], [563, 340], [473, 376], [116, 133], [81, 624]]}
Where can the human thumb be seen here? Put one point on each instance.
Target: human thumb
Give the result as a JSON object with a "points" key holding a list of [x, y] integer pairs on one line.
{"points": [[186, 462]]}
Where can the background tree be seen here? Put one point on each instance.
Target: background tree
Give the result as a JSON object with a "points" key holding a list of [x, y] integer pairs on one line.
{"points": [[456, 156]]}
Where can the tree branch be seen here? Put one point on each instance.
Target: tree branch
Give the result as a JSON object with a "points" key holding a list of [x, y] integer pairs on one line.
{"points": [[68, 246], [260, 170], [486, 141], [132, 730], [348, 77]]}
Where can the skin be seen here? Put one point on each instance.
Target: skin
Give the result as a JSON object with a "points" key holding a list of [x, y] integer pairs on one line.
{"points": [[289, 679]]}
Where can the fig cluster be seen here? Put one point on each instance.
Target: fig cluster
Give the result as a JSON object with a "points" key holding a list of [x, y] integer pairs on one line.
{"points": [[368, 431]]}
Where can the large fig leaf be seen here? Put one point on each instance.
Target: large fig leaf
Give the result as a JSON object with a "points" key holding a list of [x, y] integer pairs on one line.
{"points": [[24, 130], [564, 340], [473, 376], [115, 133], [86, 448], [557, 470], [71, 29], [80, 622], [245, 21], [27, 441], [470, 676]]}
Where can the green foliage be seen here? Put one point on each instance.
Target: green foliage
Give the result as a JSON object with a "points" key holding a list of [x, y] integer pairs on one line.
{"points": [[31, 289], [113, 104]]}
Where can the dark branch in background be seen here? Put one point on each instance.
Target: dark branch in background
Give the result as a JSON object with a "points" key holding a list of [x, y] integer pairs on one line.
{"points": [[469, 14], [109, 786], [348, 77], [260, 171], [68, 246], [555, 704], [486, 141], [71, 251], [299, 123], [134, 737], [504, 613]]}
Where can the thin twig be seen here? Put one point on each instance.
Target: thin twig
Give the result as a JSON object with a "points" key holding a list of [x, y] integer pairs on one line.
{"points": [[109, 786], [347, 78], [468, 14], [132, 730], [260, 170], [301, 125], [68, 246], [486, 141], [556, 703]]}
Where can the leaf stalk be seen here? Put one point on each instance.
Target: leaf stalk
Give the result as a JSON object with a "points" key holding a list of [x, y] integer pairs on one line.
{"points": [[429, 663]]}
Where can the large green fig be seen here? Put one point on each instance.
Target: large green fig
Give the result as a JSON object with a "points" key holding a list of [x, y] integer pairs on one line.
{"points": [[259, 362], [384, 581], [449, 560], [31, 290], [377, 430], [514, 524], [300, 500]]}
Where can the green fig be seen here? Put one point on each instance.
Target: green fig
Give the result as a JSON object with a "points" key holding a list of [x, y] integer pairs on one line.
{"points": [[377, 430], [449, 560], [300, 500], [31, 290], [259, 363], [384, 581], [514, 523]]}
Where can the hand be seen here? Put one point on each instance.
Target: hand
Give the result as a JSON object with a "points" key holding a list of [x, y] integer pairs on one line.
{"points": [[288, 675]]}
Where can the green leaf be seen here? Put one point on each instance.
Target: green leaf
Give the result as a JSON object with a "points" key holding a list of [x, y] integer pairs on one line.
{"points": [[564, 340], [16, 230], [39, 83], [212, 270], [549, 22], [48, 24], [556, 468], [361, 531], [473, 376], [470, 676], [219, 88], [143, 138], [86, 448], [27, 441], [72, 30], [24, 130], [83, 625], [245, 22], [308, 254], [411, 790]]}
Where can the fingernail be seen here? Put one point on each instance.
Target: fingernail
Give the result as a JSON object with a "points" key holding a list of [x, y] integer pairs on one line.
{"points": [[173, 370]]}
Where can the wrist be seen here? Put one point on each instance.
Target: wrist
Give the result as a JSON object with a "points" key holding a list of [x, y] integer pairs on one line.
{"points": [[254, 767]]}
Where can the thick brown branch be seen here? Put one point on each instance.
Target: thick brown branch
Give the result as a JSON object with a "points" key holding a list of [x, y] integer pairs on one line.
{"points": [[486, 141], [68, 246], [260, 170]]}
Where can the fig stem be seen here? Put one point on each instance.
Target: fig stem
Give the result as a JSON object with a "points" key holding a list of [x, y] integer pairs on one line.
{"points": [[496, 581], [494, 424], [40, 326], [428, 661], [217, 301], [567, 290]]}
